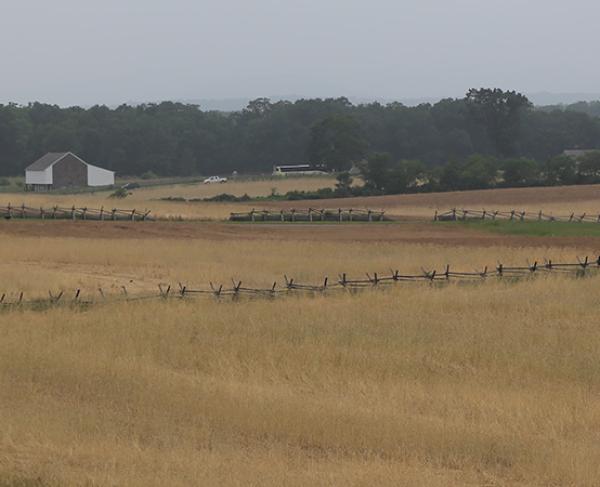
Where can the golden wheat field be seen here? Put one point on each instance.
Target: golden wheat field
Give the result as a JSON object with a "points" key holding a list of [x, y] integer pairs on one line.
{"points": [[484, 383]]}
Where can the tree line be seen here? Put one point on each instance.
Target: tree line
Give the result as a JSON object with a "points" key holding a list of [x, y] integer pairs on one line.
{"points": [[174, 139], [383, 175]]}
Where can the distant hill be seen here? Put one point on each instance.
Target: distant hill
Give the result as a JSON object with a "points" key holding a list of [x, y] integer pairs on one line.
{"points": [[542, 99], [591, 108]]}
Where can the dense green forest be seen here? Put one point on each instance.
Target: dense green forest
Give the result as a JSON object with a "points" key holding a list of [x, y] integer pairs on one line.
{"points": [[172, 139]]}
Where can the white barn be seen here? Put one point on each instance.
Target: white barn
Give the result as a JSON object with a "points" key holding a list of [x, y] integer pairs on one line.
{"points": [[65, 169]]}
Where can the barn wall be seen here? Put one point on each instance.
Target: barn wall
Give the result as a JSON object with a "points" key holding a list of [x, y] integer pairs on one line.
{"points": [[69, 171], [38, 177], [99, 177]]}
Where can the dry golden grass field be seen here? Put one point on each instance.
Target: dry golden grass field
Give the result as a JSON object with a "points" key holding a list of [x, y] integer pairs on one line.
{"points": [[151, 197], [487, 384], [559, 200]]}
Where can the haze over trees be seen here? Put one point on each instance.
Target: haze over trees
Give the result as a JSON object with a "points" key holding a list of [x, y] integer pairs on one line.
{"points": [[468, 136]]}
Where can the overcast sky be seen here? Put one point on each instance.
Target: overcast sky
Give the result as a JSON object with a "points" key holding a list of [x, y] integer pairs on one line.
{"points": [[113, 51]]}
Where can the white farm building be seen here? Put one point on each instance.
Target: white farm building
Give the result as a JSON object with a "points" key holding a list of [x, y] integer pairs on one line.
{"points": [[65, 169]]}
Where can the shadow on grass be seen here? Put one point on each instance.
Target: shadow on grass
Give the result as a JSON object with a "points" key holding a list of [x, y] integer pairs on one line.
{"points": [[534, 228]]}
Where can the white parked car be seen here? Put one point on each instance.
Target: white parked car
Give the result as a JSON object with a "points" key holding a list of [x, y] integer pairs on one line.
{"points": [[215, 179]]}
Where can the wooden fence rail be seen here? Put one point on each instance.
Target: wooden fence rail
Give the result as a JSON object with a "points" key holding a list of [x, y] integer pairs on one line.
{"points": [[513, 215], [74, 213], [309, 215], [290, 286]]}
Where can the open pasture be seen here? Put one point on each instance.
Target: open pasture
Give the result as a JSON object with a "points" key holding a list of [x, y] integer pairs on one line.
{"points": [[41, 256], [492, 383]]}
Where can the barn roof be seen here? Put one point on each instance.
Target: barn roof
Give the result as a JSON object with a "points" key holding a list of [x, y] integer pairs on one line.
{"points": [[46, 161]]}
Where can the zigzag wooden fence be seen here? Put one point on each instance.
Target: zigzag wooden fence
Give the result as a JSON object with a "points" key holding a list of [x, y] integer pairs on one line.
{"points": [[309, 215], [57, 213], [290, 286], [513, 215]]}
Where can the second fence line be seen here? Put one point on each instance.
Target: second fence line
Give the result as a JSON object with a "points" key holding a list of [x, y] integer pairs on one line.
{"points": [[290, 286]]}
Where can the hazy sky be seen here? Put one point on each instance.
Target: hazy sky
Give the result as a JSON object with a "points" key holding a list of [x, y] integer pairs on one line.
{"points": [[113, 51]]}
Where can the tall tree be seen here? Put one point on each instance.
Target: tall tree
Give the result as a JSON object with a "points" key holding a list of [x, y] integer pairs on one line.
{"points": [[337, 142], [561, 170], [520, 172], [500, 112]]}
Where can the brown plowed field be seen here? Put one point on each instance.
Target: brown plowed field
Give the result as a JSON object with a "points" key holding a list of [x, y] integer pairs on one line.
{"points": [[398, 232]]}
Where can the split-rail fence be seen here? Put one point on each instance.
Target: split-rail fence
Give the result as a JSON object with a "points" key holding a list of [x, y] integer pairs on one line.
{"points": [[309, 215], [73, 213], [513, 215], [289, 286]]}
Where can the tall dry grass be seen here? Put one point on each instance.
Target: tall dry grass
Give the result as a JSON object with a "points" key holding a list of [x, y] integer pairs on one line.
{"points": [[36, 265], [494, 384], [486, 384]]}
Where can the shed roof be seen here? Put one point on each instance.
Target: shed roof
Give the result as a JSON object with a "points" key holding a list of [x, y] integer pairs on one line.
{"points": [[46, 161]]}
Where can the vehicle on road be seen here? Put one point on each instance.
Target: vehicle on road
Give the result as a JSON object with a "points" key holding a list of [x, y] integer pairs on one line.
{"points": [[215, 179], [133, 185], [299, 170]]}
